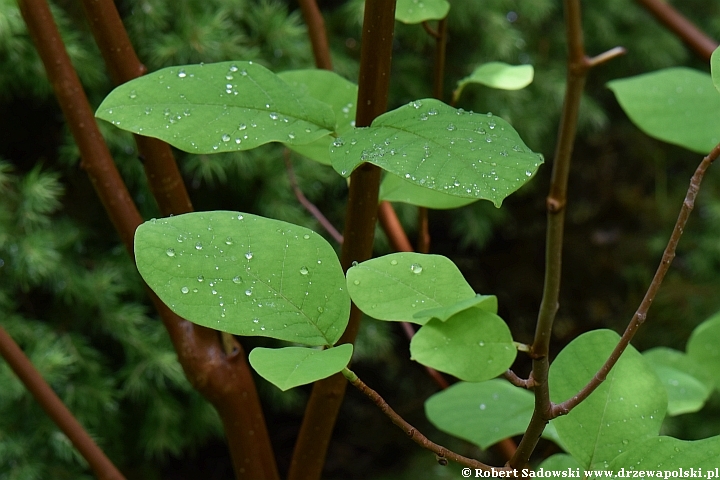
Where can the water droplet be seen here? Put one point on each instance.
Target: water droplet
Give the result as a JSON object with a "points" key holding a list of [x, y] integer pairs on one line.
{"points": [[228, 241], [291, 136], [249, 255], [237, 279], [201, 278], [320, 309], [450, 127], [242, 126], [356, 282], [214, 292], [482, 344], [423, 116], [198, 246], [256, 320], [273, 115], [416, 104], [338, 143], [239, 217], [233, 68], [354, 263], [306, 236], [170, 252], [303, 271], [248, 293], [226, 138], [133, 94], [432, 111], [416, 268], [393, 262], [184, 289], [491, 124], [625, 441], [482, 406], [181, 73]]}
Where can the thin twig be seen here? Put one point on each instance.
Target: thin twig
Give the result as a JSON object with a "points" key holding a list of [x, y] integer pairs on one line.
{"points": [[429, 30], [309, 206], [316, 31], [641, 314], [412, 432], [393, 228], [513, 378]]}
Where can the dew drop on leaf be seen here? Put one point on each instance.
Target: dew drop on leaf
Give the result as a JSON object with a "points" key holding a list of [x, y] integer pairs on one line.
{"points": [[228, 241], [201, 278], [356, 282], [170, 252], [416, 268], [239, 217], [482, 406], [249, 255], [198, 246], [184, 289], [225, 138], [303, 271], [237, 279], [248, 293], [181, 73], [393, 262], [320, 309], [306, 236]]}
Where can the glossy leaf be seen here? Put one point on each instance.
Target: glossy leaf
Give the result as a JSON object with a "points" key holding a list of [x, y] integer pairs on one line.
{"points": [[676, 105], [626, 408], [715, 68], [482, 413], [246, 275], [332, 89], [418, 11], [438, 147], [703, 346], [292, 366], [473, 345], [396, 286], [687, 383], [396, 189], [217, 107], [497, 75], [484, 302], [667, 453]]}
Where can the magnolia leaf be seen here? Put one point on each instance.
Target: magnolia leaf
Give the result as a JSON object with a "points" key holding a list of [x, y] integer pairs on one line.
{"points": [[675, 105], [418, 11], [482, 413], [292, 366], [484, 302], [703, 347], [245, 275], [687, 383], [667, 453], [438, 147], [473, 345], [497, 75], [217, 107], [626, 408], [396, 286], [396, 189], [330, 88]]}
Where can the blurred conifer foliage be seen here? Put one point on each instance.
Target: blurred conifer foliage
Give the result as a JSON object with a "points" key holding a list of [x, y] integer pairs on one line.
{"points": [[70, 296]]}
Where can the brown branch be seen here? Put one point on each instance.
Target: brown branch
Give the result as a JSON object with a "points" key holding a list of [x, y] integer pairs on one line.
{"points": [[316, 31], [309, 206], [324, 404], [513, 378], [412, 432], [681, 26], [430, 31], [641, 314], [393, 228], [56, 409], [200, 352]]}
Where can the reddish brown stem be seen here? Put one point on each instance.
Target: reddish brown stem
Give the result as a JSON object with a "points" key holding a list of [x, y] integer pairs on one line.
{"points": [[56, 409], [316, 30], [393, 228]]}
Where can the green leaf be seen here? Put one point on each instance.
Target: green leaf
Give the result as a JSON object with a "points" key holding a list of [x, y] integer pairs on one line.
{"points": [[482, 413], [687, 383], [292, 366], [473, 345], [217, 107], [484, 302], [498, 75], [627, 407], [667, 453], [396, 286], [715, 68], [418, 11], [246, 275], [675, 105], [396, 189], [332, 89], [438, 147], [703, 346], [561, 462]]}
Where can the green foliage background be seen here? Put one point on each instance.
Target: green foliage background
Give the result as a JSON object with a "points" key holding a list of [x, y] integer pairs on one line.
{"points": [[72, 299]]}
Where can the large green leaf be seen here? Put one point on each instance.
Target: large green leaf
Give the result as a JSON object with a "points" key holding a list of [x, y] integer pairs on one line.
{"points": [[670, 454], [473, 345], [396, 286], [485, 302], [688, 383], [217, 108], [330, 88], [715, 68], [438, 147], [482, 413], [246, 275], [703, 346], [418, 11], [497, 75], [396, 189], [676, 105], [627, 407], [292, 366]]}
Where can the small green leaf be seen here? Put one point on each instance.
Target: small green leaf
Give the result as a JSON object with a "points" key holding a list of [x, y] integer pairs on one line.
{"points": [[484, 302], [396, 189], [482, 413], [217, 107], [627, 407], [715, 68], [330, 88], [246, 275], [396, 286], [292, 366], [498, 75], [667, 453], [438, 147], [473, 345], [675, 105], [687, 383], [561, 462], [703, 346], [418, 11]]}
